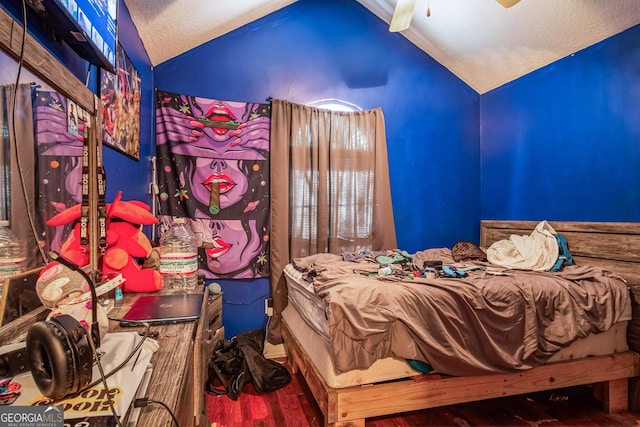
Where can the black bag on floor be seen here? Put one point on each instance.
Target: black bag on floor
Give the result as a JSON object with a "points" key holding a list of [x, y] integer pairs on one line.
{"points": [[239, 360], [227, 371]]}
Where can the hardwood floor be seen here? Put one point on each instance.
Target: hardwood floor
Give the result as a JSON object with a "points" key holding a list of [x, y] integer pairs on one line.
{"points": [[294, 406]]}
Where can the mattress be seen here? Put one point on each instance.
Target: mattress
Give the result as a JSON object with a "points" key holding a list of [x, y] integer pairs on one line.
{"points": [[305, 316], [310, 306], [317, 349]]}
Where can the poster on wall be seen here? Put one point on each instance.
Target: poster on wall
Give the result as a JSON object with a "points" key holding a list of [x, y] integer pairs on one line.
{"points": [[120, 101], [59, 126], [213, 169]]}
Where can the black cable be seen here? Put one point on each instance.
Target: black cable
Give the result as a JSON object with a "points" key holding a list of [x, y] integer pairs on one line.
{"points": [[103, 376], [95, 327], [95, 333], [104, 382], [126, 360], [142, 402]]}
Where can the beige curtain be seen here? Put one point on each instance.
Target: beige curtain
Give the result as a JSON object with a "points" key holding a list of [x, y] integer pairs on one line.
{"points": [[330, 188], [17, 167]]}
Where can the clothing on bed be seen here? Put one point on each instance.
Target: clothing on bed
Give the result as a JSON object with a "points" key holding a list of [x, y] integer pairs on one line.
{"points": [[493, 320], [537, 251]]}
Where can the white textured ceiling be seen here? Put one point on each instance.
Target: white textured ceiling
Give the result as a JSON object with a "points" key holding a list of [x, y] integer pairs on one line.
{"points": [[481, 42]]}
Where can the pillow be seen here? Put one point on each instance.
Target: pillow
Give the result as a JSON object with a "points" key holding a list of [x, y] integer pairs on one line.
{"points": [[467, 251]]}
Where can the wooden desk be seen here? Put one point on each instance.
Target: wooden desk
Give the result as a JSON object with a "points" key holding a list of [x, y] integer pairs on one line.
{"points": [[179, 365]]}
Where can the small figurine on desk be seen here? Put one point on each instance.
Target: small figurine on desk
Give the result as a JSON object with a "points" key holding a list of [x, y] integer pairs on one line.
{"points": [[58, 286]]}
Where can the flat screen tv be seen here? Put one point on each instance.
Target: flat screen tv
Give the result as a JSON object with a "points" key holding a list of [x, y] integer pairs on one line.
{"points": [[88, 26]]}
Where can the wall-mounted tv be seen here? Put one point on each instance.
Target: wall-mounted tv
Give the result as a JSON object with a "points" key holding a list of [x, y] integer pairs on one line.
{"points": [[88, 26]]}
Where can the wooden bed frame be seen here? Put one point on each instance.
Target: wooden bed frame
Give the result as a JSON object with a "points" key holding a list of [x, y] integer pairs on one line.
{"points": [[610, 245]]}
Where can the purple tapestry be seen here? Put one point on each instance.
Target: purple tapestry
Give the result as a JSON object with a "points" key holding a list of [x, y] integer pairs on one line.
{"points": [[213, 168], [59, 132]]}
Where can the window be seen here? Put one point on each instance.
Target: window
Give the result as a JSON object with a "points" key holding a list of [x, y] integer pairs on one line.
{"points": [[334, 104], [337, 201]]}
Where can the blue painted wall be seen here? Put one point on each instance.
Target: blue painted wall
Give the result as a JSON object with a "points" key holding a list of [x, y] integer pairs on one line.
{"points": [[563, 143], [317, 49]]}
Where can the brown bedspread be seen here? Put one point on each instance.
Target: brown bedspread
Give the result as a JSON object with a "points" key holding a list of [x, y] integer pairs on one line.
{"points": [[498, 321]]}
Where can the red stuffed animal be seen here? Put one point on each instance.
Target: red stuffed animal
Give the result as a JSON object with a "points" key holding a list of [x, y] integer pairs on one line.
{"points": [[125, 243]]}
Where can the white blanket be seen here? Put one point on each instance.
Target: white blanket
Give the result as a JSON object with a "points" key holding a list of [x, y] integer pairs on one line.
{"points": [[538, 251]]}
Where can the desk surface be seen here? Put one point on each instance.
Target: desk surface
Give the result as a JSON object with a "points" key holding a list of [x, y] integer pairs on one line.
{"points": [[171, 364]]}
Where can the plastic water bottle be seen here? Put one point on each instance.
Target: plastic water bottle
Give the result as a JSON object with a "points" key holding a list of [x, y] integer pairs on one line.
{"points": [[179, 258], [12, 252]]}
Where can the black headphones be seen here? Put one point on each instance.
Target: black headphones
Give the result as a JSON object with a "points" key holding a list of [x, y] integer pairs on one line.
{"points": [[59, 352], [60, 356]]}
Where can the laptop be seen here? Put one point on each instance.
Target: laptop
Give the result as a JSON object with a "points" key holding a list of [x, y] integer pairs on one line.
{"points": [[172, 308]]}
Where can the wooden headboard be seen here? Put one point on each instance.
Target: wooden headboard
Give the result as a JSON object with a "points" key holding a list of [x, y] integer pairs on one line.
{"points": [[611, 245]]}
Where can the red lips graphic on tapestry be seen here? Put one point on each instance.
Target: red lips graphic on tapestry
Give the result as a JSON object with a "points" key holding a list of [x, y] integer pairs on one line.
{"points": [[213, 169]]}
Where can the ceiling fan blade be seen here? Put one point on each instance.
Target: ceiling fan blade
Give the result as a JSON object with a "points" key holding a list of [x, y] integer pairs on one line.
{"points": [[402, 15], [507, 3]]}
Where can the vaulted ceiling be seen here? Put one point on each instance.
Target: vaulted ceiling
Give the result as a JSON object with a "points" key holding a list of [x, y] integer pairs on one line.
{"points": [[481, 42]]}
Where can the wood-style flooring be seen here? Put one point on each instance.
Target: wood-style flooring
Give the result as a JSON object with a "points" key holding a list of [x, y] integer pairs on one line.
{"points": [[293, 405]]}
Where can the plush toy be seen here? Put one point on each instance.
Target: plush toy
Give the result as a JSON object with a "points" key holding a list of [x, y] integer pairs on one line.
{"points": [[125, 243], [61, 290]]}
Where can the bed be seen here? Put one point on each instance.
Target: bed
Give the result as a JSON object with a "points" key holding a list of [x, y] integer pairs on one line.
{"points": [[348, 391]]}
